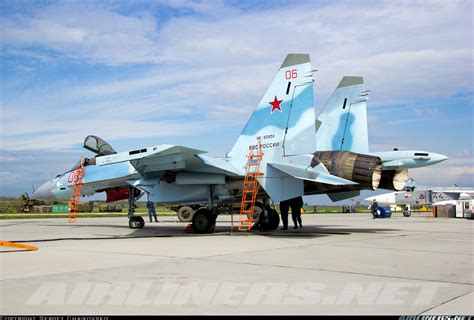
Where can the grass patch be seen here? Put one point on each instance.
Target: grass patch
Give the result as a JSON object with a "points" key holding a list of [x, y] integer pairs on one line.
{"points": [[80, 215]]}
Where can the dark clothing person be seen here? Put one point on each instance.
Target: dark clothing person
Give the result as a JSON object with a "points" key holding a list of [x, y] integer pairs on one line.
{"points": [[296, 204], [284, 206], [151, 210], [373, 209]]}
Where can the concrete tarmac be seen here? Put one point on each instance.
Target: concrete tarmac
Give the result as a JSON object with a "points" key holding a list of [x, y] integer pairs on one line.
{"points": [[336, 264]]}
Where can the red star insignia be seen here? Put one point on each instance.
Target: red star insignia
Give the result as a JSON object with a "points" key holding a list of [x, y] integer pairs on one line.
{"points": [[276, 104]]}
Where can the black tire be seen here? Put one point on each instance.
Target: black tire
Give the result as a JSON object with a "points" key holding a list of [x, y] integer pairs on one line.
{"points": [[269, 221], [185, 214], [204, 221], [212, 227], [136, 222]]}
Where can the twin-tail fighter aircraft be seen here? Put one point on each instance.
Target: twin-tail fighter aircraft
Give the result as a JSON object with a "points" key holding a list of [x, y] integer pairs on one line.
{"points": [[302, 155]]}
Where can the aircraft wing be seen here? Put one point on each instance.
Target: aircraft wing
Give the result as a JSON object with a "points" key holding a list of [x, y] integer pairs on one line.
{"points": [[151, 160], [219, 164], [154, 159], [172, 158], [459, 190]]}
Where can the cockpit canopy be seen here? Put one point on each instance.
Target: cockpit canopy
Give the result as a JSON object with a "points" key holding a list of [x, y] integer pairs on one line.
{"points": [[78, 163], [98, 145]]}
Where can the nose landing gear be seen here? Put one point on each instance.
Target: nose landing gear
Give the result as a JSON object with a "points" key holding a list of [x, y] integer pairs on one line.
{"points": [[134, 222], [204, 221]]}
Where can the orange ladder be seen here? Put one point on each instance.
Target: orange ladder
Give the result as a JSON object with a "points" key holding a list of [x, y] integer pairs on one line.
{"points": [[76, 191], [250, 189]]}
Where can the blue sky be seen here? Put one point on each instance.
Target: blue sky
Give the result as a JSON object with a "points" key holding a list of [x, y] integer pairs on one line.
{"points": [[143, 73]]}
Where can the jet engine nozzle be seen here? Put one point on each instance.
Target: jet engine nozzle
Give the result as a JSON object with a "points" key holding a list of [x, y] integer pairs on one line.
{"points": [[394, 179], [364, 169]]}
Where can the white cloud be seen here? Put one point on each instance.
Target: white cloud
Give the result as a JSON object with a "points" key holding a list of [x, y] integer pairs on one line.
{"points": [[82, 32], [64, 137], [455, 170], [466, 153], [216, 63]]}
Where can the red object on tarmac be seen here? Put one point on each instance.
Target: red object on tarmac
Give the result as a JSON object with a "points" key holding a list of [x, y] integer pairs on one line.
{"points": [[189, 228]]}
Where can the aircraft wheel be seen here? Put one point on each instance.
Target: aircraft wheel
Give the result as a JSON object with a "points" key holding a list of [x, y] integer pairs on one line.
{"points": [[204, 221], [257, 211], [136, 222], [212, 227], [269, 221], [185, 214]]}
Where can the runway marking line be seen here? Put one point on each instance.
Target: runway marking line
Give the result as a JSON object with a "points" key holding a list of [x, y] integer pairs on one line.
{"points": [[9, 244]]}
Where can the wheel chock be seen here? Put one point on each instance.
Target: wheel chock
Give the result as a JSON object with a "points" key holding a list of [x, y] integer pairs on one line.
{"points": [[189, 229]]}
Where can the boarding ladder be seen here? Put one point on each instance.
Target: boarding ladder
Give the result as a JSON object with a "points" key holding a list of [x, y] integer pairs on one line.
{"points": [[75, 199], [250, 188]]}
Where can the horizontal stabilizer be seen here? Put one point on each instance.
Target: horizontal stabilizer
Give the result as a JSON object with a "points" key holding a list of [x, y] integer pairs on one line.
{"points": [[316, 174]]}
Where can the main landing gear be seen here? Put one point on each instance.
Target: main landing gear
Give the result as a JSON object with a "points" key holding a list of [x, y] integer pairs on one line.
{"points": [[265, 217], [268, 219], [186, 213], [204, 221]]}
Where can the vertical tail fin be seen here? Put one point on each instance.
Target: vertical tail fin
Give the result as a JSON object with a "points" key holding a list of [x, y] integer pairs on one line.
{"points": [[342, 124], [284, 118]]}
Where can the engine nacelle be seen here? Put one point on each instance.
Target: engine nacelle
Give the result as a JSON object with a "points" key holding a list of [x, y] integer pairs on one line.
{"points": [[394, 179], [364, 169]]}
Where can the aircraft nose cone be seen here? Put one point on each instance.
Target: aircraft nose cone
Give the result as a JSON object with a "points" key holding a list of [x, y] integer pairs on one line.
{"points": [[44, 192], [439, 157]]}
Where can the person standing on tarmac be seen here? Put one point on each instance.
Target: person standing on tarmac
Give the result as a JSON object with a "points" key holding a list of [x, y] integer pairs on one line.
{"points": [[296, 205], [284, 206], [151, 210]]}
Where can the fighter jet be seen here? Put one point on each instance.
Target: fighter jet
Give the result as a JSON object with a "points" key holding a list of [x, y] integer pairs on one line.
{"points": [[301, 156], [421, 195]]}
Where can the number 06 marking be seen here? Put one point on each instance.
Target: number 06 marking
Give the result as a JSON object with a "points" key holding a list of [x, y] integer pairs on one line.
{"points": [[291, 74]]}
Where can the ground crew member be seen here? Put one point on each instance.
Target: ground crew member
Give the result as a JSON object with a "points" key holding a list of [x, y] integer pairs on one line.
{"points": [[151, 210], [284, 206], [373, 209], [296, 205]]}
